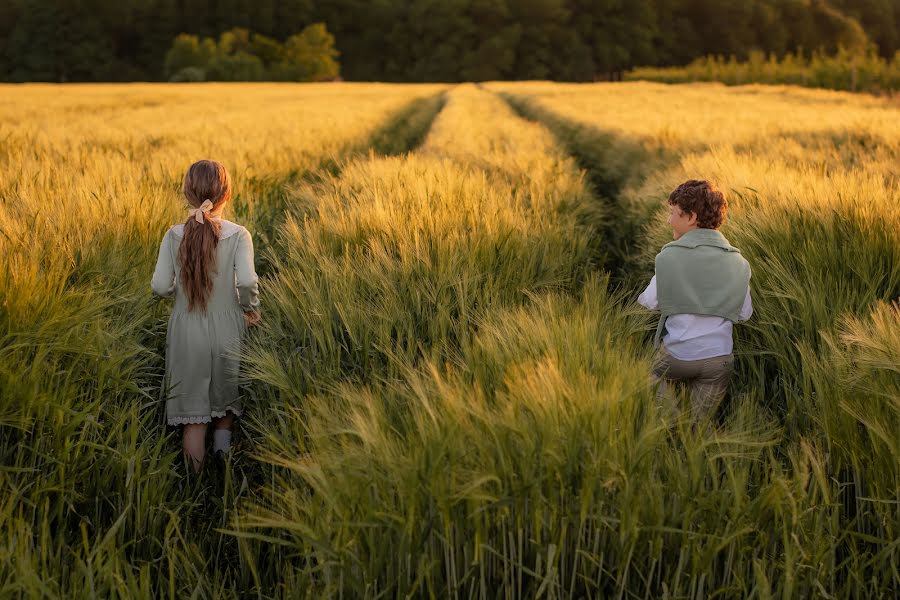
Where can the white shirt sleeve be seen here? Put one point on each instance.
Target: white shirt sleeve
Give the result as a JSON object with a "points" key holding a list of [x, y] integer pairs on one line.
{"points": [[648, 299], [747, 309]]}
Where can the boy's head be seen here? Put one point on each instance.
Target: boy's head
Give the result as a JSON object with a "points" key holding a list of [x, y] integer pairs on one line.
{"points": [[696, 204]]}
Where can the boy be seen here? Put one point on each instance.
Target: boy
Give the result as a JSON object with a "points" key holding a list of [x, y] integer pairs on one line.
{"points": [[701, 287]]}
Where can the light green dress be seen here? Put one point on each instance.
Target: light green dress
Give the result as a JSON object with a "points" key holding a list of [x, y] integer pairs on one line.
{"points": [[202, 363]]}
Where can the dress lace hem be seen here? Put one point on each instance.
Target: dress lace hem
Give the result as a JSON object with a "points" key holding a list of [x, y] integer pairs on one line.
{"points": [[204, 418]]}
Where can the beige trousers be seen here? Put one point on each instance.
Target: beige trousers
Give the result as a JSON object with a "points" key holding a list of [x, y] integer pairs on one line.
{"points": [[708, 379]]}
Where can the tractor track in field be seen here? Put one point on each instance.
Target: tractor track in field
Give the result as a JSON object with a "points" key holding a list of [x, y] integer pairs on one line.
{"points": [[623, 227], [402, 132]]}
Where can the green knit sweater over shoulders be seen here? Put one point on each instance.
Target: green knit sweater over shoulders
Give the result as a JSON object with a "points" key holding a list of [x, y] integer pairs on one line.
{"points": [[702, 274]]}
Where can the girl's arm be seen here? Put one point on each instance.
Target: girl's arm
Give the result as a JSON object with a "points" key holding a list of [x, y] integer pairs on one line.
{"points": [[163, 282], [246, 279]]}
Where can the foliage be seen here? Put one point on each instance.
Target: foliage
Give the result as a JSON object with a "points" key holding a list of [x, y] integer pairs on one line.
{"points": [[241, 55], [189, 75], [427, 40], [188, 52], [842, 71], [308, 56]]}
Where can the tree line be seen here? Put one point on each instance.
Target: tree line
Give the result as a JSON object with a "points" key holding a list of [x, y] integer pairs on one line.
{"points": [[241, 55], [437, 40], [842, 71]]}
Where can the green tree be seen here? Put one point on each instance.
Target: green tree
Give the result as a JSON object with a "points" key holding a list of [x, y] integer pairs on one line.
{"points": [[772, 33], [188, 51], [537, 55], [145, 38], [196, 16], [262, 17], [437, 33], [309, 56], [815, 25], [491, 51], [9, 15], [836, 30], [235, 40], [240, 66], [268, 50], [879, 18], [228, 14], [234, 60], [58, 40], [619, 33], [427, 40], [290, 15]]}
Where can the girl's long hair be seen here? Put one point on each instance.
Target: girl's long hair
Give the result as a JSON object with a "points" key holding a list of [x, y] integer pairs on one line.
{"points": [[205, 180]]}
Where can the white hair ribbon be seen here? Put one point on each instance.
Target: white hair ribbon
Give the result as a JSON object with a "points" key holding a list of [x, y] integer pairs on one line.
{"points": [[197, 213]]}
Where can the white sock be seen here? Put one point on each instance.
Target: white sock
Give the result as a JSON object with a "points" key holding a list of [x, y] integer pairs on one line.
{"points": [[222, 440]]}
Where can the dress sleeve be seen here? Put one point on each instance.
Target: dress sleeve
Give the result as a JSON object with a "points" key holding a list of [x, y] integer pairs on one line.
{"points": [[648, 298], [163, 282], [246, 279]]}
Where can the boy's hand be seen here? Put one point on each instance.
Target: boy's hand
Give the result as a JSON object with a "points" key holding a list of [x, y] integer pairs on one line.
{"points": [[252, 318]]}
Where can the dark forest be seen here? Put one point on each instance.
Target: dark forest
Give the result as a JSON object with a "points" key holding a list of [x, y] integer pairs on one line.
{"points": [[437, 40]]}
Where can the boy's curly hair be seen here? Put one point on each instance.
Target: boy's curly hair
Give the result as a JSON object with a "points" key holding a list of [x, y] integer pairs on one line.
{"points": [[703, 199]]}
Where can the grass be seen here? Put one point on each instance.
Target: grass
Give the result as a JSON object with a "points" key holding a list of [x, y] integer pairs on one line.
{"points": [[449, 394]]}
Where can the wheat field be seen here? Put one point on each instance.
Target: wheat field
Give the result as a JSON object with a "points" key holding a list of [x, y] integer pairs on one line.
{"points": [[448, 396]]}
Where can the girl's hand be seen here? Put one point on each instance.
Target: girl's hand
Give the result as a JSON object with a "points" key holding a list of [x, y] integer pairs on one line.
{"points": [[252, 318]]}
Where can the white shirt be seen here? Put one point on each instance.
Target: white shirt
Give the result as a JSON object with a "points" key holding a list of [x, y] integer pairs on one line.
{"points": [[695, 337]]}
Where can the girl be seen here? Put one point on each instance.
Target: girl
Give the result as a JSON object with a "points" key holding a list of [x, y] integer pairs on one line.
{"points": [[207, 263]]}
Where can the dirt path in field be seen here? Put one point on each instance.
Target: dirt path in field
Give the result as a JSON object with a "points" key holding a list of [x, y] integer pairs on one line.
{"points": [[402, 132], [623, 227]]}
